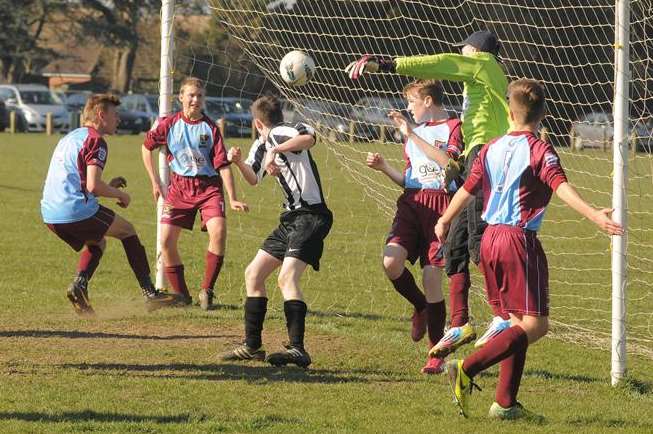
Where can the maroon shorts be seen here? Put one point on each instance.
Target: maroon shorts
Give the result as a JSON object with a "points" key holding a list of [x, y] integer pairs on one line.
{"points": [[515, 269], [417, 213], [92, 229], [187, 195]]}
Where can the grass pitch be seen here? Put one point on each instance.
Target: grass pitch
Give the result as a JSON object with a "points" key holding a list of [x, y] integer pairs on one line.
{"points": [[129, 371]]}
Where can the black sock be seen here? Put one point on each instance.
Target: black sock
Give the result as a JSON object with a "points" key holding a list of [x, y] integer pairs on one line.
{"points": [[295, 311], [255, 309]]}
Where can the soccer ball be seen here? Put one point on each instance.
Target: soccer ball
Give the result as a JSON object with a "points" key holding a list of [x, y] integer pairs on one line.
{"points": [[296, 68]]}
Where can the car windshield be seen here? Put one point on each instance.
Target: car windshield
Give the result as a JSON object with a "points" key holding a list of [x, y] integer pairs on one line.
{"points": [[215, 107], [76, 98], [41, 97], [237, 106]]}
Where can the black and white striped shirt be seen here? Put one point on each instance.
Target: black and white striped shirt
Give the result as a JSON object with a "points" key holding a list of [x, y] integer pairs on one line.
{"points": [[299, 178]]}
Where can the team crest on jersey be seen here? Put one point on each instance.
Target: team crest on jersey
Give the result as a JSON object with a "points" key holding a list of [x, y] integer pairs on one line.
{"points": [[439, 144], [204, 140], [551, 159], [102, 154]]}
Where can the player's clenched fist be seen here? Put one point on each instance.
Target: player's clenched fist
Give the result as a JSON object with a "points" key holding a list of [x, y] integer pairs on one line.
{"points": [[369, 63], [375, 160], [234, 155]]}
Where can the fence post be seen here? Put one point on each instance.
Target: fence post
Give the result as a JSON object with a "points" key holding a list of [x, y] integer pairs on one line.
{"points": [[48, 123], [352, 131], [253, 130], [544, 134], [382, 133], [221, 127], [604, 141], [12, 122]]}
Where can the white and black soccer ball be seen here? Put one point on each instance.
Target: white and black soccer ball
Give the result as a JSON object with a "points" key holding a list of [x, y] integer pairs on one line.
{"points": [[297, 68]]}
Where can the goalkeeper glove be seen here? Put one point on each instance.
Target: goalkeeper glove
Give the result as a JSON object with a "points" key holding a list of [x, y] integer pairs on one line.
{"points": [[369, 63]]}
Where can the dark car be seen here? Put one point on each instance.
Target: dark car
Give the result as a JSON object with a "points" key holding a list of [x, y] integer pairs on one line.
{"points": [[235, 112], [4, 116], [371, 117], [132, 122], [332, 116]]}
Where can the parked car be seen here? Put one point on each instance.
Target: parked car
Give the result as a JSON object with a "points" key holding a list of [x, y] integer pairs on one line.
{"points": [[235, 111], [142, 104], [32, 102], [132, 122], [332, 115], [75, 100], [596, 130], [371, 113], [4, 116]]}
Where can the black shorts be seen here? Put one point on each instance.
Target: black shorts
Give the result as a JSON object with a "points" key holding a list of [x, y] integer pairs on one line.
{"points": [[464, 239], [300, 235]]}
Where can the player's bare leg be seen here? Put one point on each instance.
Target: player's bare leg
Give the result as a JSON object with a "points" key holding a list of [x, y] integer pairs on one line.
{"points": [[172, 265], [394, 264], [256, 304], [295, 311], [217, 230], [436, 315]]}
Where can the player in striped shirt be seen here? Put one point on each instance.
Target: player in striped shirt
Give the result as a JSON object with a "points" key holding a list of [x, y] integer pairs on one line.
{"points": [[70, 206], [199, 170], [283, 150], [517, 173], [485, 116], [429, 145]]}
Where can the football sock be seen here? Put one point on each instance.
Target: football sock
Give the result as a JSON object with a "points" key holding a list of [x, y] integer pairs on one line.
{"points": [[255, 309], [406, 286], [507, 343], [295, 311], [137, 259], [212, 270], [459, 284], [175, 276], [436, 316], [510, 373], [89, 260]]}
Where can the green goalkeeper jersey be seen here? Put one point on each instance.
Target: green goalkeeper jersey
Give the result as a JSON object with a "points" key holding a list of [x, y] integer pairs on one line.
{"points": [[485, 108]]}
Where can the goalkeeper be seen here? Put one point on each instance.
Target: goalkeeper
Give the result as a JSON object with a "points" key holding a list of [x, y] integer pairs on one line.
{"points": [[485, 116]]}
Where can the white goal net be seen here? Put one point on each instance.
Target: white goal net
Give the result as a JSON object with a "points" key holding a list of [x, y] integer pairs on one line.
{"points": [[568, 45]]}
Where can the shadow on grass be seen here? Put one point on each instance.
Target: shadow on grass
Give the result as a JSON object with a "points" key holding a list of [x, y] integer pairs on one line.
{"points": [[547, 375], [354, 315], [16, 188], [598, 421], [90, 416], [73, 334], [250, 373]]}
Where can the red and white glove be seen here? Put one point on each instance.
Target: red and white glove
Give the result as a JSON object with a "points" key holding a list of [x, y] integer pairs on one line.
{"points": [[369, 63]]}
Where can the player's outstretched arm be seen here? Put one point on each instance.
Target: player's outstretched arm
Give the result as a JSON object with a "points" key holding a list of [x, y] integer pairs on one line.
{"points": [[406, 128], [157, 189], [229, 185], [297, 143], [600, 217], [377, 162], [460, 200], [369, 63], [99, 188], [235, 156]]}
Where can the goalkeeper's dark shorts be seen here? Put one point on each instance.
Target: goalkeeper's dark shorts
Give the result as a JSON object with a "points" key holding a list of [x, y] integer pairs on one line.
{"points": [[464, 239]]}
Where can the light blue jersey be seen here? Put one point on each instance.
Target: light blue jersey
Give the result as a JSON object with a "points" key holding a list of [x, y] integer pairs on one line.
{"points": [[65, 198]]}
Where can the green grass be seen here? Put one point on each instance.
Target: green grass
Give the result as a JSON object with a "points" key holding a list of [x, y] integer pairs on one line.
{"points": [[129, 371]]}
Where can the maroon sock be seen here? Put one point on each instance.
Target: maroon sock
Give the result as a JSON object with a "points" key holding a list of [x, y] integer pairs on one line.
{"points": [[406, 286], [212, 270], [504, 345], [497, 311], [175, 276], [510, 372], [436, 316], [89, 260], [459, 284], [137, 259]]}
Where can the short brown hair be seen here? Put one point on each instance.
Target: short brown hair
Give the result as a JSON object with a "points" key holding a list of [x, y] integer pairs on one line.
{"points": [[527, 100], [98, 101], [191, 81], [424, 88], [267, 109]]}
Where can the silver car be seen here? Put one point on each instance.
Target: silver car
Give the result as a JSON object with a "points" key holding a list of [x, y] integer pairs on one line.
{"points": [[32, 103]]}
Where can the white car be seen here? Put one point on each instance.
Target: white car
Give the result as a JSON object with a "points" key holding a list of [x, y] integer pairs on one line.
{"points": [[595, 130], [32, 103]]}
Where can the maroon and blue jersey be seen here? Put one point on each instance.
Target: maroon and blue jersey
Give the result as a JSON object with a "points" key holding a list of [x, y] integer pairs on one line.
{"points": [[421, 172], [518, 173], [65, 198], [195, 148]]}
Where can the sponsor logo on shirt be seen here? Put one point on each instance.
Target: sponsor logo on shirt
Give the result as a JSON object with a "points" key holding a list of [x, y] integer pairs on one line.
{"points": [[204, 140]]}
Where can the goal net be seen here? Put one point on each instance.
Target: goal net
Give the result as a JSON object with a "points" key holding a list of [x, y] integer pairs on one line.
{"points": [[567, 45]]}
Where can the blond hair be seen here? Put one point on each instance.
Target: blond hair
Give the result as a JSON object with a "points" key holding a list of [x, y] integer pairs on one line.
{"points": [[98, 102], [424, 88], [191, 82]]}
